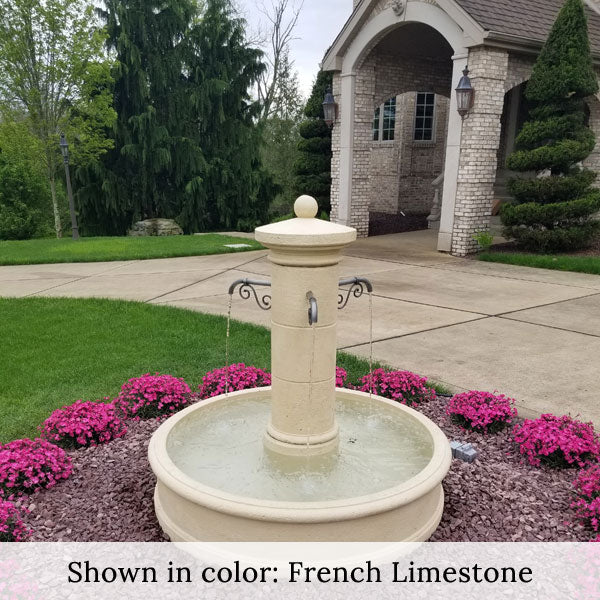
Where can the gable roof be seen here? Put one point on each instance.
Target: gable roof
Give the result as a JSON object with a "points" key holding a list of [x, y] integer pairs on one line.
{"points": [[517, 24], [525, 20]]}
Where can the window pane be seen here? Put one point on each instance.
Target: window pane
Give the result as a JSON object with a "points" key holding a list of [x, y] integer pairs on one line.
{"points": [[424, 116], [389, 120]]}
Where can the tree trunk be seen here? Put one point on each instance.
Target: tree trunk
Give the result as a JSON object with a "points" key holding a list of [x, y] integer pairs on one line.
{"points": [[57, 223]]}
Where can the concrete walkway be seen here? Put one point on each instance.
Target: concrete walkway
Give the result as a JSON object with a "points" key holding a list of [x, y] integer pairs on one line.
{"points": [[529, 333]]}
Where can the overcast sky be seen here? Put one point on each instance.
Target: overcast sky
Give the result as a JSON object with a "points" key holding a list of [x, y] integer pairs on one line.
{"points": [[319, 23]]}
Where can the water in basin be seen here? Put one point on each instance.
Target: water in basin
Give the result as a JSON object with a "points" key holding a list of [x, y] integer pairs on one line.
{"points": [[221, 446]]}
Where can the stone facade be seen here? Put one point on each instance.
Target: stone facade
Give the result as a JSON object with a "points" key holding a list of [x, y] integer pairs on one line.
{"points": [[401, 172]]}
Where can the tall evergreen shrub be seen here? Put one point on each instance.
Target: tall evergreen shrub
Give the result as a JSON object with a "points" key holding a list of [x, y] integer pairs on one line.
{"points": [[554, 211], [313, 167]]}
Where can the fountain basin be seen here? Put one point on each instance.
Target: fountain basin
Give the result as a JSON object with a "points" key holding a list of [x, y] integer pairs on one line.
{"points": [[217, 482]]}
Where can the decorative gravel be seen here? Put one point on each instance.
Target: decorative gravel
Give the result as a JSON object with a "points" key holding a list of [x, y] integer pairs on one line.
{"points": [[497, 498]]}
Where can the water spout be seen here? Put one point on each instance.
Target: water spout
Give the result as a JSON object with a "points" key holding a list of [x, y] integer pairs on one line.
{"points": [[313, 309]]}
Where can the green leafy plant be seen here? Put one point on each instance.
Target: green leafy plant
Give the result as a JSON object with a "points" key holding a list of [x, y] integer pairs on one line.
{"points": [[485, 239]]}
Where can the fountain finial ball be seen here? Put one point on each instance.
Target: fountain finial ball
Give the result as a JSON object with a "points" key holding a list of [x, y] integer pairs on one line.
{"points": [[306, 207]]}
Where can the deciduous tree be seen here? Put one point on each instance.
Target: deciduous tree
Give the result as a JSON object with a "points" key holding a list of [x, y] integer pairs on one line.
{"points": [[51, 58]]}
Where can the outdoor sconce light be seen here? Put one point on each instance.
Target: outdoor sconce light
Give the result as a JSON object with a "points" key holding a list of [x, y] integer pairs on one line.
{"points": [[329, 108], [465, 94], [64, 148]]}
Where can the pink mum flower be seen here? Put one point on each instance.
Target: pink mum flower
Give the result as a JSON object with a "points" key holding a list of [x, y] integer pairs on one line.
{"points": [[481, 411], [557, 441], [152, 396], [403, 386], [235, 377], [27, 466], [83, 424]]}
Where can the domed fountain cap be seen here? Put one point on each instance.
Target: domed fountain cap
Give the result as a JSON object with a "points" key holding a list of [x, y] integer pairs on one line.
{"points": [[305, 229]]}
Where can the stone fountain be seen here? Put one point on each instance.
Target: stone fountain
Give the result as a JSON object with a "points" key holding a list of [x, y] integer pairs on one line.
{"points": [[300, 460]]}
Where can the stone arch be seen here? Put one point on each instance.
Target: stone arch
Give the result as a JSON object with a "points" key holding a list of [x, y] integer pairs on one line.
{"points": [[386, 21]]}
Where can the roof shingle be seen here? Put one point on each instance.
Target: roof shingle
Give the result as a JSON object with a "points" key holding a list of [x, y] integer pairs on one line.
{"points": [[528, 19]]}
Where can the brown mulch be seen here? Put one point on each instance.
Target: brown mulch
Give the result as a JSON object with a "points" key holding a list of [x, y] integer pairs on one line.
{"points": [[497, 498]]}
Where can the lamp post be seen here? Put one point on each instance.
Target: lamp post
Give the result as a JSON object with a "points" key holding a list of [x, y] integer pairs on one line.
{"points": [[329, 108], [465, 94], [64, 148]]}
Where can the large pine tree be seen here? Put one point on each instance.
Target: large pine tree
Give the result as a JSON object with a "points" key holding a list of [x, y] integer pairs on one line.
{"points": [[233, 191], [186, 143], [554, 211]]}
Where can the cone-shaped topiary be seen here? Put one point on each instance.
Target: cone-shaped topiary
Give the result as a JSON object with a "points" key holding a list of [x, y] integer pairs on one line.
{"points": [[554, 211], [313, 167]]}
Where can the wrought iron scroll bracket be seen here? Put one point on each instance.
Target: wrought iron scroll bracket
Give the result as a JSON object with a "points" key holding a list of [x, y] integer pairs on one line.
{"points": [[356, 289], [247, 289]]}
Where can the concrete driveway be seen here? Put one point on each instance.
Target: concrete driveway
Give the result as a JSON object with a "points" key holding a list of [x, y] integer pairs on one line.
{"points": [[529, 333]]}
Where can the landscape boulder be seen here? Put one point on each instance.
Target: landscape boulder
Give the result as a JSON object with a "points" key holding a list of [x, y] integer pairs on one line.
{"points": [[155, 227]]}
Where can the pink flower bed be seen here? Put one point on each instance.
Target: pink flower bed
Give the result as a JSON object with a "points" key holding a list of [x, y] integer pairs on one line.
{"points": [[235, 377], [481, 411], [340, 377], [587, 502], [152, 396], [403, 386], [557, 441], [83, 424], [12, 528], [29, 465]]}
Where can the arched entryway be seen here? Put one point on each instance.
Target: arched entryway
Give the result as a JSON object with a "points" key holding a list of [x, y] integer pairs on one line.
{"points": [[418, 51], [410, 71]]}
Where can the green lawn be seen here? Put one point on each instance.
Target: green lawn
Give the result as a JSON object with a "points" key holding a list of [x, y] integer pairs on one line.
{"points": [[579, 264], [55, 351], [96, 249]]}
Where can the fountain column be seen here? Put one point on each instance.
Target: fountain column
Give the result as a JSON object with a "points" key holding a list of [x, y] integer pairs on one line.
{"points": [[305, 254]]}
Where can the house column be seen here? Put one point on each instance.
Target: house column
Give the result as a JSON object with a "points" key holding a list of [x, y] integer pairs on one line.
{"points": [[479, 148], [346, 149], [452, 158]]}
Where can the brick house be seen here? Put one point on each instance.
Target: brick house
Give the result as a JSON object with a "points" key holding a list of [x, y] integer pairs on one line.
{"points": [[399, 145]]}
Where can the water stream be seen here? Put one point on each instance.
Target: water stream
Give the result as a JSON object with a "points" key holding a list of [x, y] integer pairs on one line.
{"points": [[227, 345]]}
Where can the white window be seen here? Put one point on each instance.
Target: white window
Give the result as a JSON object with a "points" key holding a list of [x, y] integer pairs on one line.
{"points": [[384, 121], [424, 117]]}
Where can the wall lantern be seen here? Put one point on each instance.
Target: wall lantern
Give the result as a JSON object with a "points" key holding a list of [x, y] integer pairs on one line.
{"points": [[329, 108], [465, 94]]}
